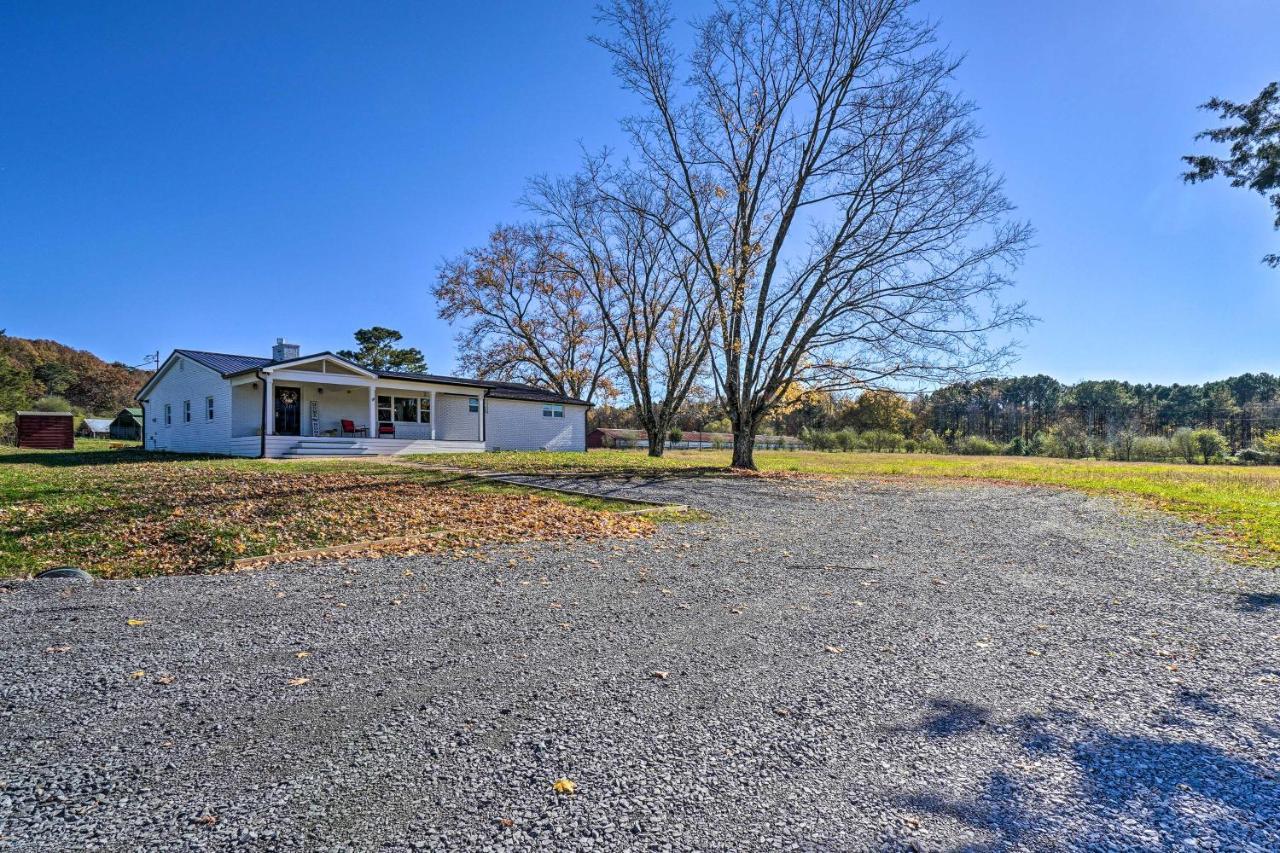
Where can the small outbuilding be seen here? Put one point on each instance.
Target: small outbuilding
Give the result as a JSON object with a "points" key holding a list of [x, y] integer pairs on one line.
{"points": [[45, 430], [94, 428], [128, 425]]}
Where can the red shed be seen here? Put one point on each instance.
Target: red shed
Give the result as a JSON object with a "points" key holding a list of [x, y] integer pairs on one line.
{"points": [[46, 430]]}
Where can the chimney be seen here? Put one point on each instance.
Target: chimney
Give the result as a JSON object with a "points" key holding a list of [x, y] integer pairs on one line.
{"points": [[283, 351]]}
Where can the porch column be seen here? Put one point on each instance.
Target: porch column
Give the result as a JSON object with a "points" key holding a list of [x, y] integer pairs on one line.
{"points": [[433, 415], [373, 411], [269, 411]]}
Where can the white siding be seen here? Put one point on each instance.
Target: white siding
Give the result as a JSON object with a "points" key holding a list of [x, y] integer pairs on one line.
{"points": [[335, 404], [519, 425], [246, 410], [454, 419], [189, 380]]}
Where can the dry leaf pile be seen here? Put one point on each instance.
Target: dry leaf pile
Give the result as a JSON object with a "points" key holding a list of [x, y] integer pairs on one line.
{"points": [[166, 518]]}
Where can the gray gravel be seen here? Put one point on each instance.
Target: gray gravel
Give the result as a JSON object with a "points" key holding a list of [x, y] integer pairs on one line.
{"points": [[1008, 669]]}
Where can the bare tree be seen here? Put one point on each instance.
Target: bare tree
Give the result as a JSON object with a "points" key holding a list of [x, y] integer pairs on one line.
{"points": [[645, 285], [530, 319], [826, 186]]}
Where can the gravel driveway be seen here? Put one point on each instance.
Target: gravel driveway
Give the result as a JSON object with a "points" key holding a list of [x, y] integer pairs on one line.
{"points": [[852, 665]]}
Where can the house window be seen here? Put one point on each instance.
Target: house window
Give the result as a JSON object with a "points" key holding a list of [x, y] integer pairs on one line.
{"points": [[552, 410], [407, 409], [473, 404], [168, 415], [403, 409], [186, 410], [208, 408]]}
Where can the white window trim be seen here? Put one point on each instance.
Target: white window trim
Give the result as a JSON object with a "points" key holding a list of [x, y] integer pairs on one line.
{"points": [[424, 405], [208, 408], [553, 410], [186, 411], [168, 414]]}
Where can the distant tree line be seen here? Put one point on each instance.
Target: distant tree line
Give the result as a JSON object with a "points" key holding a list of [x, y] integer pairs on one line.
{"points": [[1028, 415], [1241, 408]]}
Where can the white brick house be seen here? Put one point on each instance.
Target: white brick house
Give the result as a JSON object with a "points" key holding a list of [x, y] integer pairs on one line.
{"points": [[292, 405]]}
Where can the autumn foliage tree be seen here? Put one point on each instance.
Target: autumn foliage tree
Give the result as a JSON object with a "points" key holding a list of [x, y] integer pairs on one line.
{"points": [[813, 163], [32, 369], [527, 315], [879, 410]]}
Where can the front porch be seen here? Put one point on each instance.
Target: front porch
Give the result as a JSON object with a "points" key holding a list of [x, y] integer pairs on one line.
{"points": [[326, 406]]}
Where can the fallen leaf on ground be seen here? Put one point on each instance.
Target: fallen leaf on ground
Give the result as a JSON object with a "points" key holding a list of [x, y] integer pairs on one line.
{"points": [[564, 785], [299, 681], [835, 650], [137, 673], [164, 679], [135, 623], [506, 822], [659, 674], [301, 655], [58, 650], [1033, 653]]}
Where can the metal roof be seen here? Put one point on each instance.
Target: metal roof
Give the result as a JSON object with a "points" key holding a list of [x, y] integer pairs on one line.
{"points": [[225, 363], [98, 424], [228, 364]]}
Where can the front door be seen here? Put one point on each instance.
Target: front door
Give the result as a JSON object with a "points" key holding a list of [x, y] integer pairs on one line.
{"points": [[288, 411]]}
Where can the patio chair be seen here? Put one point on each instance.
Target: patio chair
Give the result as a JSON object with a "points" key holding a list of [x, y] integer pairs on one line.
{"points": [[350, 428], [386, 430]]}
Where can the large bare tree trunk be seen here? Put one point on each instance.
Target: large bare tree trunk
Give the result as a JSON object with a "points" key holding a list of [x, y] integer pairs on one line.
{"points": [[744, 449], [657, 442]]}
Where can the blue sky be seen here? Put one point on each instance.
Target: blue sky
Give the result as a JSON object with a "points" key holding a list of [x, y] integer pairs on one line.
{"points": [[215, 175]]}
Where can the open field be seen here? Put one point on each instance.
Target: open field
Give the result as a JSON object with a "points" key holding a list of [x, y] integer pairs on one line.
{"points": [[123, 512], [1239, 507]]}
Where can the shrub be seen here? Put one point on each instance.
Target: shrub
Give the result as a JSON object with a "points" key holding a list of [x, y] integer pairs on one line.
{"points": [[930, 443], [1254, 456], [1269, 442], [910, 445], [675, 436], [818, 439], [8, 435], [846, 440], [1017, 447], [1184, 445], [1209, 443], [51, 404], [1067, 441], [972, 445], [881, 440], [1152, 448]]}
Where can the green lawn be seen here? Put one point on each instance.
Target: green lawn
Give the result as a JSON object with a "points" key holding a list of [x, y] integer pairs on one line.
{"points": [[121, 511], [1240, 506]]}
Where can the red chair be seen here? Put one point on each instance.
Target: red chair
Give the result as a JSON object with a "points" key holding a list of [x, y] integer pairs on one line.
{"points": [[350, 428], [386, 429]]}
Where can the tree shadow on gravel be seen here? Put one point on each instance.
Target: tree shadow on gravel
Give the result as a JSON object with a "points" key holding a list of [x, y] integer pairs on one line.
{"points": [[1134, 791], [1258, 602]]}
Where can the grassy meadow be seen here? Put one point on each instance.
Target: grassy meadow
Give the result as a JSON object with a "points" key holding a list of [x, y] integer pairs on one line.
{"points": [[1239, 506]]}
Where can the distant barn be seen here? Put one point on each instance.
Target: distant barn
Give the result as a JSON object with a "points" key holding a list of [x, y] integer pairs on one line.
{"points": [[128, 425], [46, 430], [94, 428]]}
